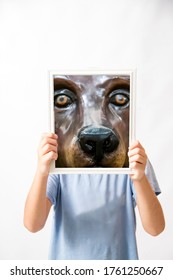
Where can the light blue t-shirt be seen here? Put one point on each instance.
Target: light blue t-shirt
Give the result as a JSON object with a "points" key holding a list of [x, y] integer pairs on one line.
{"points": [[94, 217]]}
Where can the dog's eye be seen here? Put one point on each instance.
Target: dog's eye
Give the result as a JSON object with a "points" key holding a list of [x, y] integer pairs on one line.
{"points": [[62, 101], [119, 98], [63, 98]]}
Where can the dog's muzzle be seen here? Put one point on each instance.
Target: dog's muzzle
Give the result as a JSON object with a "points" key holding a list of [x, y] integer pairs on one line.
{"points": [[97, 141]]}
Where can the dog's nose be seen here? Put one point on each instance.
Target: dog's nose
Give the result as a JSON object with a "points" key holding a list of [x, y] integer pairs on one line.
{"points": [[97, 141]]}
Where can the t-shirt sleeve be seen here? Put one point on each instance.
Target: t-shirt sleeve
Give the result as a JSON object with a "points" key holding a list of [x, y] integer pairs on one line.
{"points": [[149, 171], [53, 186]]}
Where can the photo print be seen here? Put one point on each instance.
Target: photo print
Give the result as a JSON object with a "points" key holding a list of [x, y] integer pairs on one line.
{"points": [[93, 115]]}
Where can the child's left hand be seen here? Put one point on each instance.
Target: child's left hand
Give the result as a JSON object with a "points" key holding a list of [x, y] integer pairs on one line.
{"points": [[137, 160]]}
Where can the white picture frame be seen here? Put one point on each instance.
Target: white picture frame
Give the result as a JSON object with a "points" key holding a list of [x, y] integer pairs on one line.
{"points": [[131, 132]]}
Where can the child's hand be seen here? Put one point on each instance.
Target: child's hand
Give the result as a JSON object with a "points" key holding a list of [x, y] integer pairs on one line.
{"points": [[47, 151], [137, 160]]}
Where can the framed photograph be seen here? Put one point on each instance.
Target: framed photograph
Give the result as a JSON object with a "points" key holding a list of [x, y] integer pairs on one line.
{"points": [[93, 114]]}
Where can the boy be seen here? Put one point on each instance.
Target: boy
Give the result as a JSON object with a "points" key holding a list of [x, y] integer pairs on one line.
{"points": [[94, 214]]}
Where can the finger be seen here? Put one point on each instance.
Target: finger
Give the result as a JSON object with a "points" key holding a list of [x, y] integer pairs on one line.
{"points": [[50, 156], [48, 140], [136, 166], [137, 158], [136, 144], [136, 151], [48, 148]]}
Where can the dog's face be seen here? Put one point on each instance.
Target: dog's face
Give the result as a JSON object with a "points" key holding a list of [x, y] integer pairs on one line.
{"points": [[92, 120]]}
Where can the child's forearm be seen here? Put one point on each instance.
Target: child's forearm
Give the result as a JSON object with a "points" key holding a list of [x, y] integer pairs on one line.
{"points": [[37, 206], [149, 207]]}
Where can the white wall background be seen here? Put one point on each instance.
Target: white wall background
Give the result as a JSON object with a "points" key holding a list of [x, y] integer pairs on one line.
{"points": [[37, 36]]}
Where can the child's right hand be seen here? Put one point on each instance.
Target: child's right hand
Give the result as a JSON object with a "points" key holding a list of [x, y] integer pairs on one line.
{"points": [[47, 151]]}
